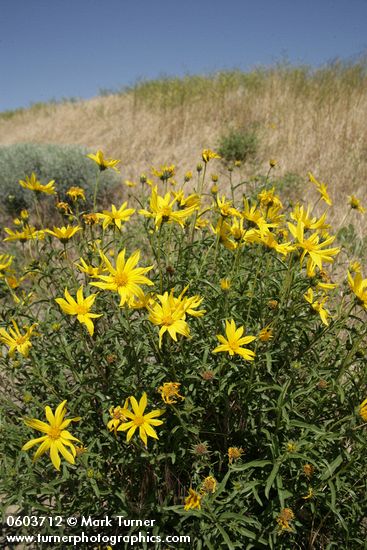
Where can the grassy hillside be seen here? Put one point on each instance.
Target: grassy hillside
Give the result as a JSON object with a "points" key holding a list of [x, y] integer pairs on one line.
{"points": [[307, 120]]}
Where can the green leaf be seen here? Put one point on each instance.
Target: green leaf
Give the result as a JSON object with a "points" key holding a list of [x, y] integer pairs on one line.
{"points": [[310, 427], [222, 484], [95, 487], [333, 494], [239, 517], [208, 544], [226, 538], [268, 361], [271, 478], [253, 464], [330, 469], [256, 495]]}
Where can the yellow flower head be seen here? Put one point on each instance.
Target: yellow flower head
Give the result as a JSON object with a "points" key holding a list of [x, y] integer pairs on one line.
{"points": [[63, 233], [321, 188], [144, 302], [208, 154], [129, 183], [186, 201], [268, 198], [363, 410], [118, 416], [269, 241], [188, 176], [291, 447], [318, 306], [125, 278], [138, 419], [358, 287], [26, 234], [189, 304], [164, 173], [12, 281], [225, 207], [309, 494], [170, 315], [300, 214], [17, 341], [104, 163], [33, 184], [325, 283], [56, 438], [234, 341], [355, 266], [169, 392], [225, 284], [255, 218], [355, 204], [64, 207], [193, 500], [76, 193], [116, 216], [90, 269], [81, 308], [316, 250], [5, 261], [164, 210]]}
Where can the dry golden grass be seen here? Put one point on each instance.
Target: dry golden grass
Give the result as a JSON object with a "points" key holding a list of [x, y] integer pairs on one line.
{"points": [[308, 122]]}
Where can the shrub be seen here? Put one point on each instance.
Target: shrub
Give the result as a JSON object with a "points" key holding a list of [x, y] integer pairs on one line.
{"points": [[238, 145], [66, 164], [216, 383]]}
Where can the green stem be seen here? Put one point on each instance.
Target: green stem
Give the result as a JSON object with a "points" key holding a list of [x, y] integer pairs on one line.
{"points": [[200, 190], [159, 259], [96, 185]]}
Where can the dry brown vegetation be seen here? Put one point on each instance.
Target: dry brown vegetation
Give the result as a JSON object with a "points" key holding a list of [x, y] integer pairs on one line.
{"points": [[308, 121]]}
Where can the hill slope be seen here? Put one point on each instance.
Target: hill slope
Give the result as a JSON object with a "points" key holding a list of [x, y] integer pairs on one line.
{"points": [[309, 121]]}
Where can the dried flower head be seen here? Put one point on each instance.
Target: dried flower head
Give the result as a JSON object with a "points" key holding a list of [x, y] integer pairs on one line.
{"points": [[208, 485], [76, 193], [169, 392], [200, 449], [64, 207], [208, 375], [308, 470], [234, 453], [285, 516], [322, 384], [90, 219], [266, 334]]}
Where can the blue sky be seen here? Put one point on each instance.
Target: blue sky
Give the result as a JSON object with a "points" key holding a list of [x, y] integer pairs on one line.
{"points": [[53, 49]]}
